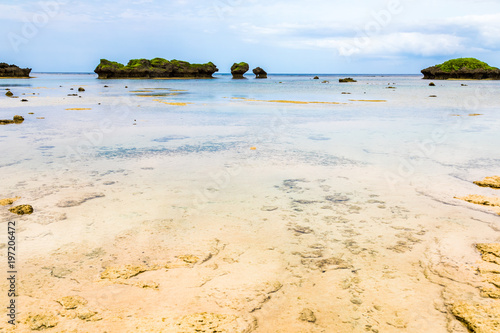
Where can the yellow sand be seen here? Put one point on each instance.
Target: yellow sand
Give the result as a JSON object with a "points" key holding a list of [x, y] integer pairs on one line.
{"points": [[283, 101], [368, 100], [171, 103], [78, 109]]}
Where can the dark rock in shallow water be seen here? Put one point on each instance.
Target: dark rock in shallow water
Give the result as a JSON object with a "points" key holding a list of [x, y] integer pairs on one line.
{"points": [[7, 70], [155, 68], [81, 89], [432, 84], [462, 68], [239, 69], [316, 78], [9, 94], [260, 73], [347, 79], [15, 120]]}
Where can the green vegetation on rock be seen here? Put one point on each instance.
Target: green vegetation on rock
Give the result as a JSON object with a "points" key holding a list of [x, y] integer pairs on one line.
{"points": [[242, 66], [463, 69], [467, 63], [155, 68]]}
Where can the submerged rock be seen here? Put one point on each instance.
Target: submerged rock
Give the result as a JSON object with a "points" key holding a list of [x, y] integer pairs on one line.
{"points": [[122, 272], [155, 68], [462, 68], [347, 79], [307, 315], [41, 321], [22, 210], [493, 182], [7, 70], [259, 73], [72, 302], [476, 317], [239, 69]]}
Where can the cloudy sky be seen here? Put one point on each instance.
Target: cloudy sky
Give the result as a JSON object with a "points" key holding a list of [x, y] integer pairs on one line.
{"points": [[282, 36]]}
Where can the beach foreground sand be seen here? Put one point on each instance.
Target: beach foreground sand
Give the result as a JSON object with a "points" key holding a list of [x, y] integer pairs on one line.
{"points": [[329, 253]]}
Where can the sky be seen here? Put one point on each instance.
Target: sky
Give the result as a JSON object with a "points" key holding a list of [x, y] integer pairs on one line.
{"points": [[282, 36]]}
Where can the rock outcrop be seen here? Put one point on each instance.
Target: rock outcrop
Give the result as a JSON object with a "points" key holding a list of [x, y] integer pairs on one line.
{"points": [[347, 79], [155, 68], [260, 73], [239, 69], [7, 70], [462, 68]]}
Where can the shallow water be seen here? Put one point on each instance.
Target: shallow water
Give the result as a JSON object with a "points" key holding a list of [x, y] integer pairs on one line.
{"points": [[251, 163]]}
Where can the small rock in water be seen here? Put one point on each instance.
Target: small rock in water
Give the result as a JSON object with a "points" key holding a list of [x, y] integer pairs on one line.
{"points": [[24, 100], [316, 78], [9, 94], [81, 89], [307, 315], [356, 300], [432, 84]]}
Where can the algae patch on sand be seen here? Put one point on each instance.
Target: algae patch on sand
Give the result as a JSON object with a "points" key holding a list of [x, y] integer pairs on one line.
{"points": [[122, 272], [282, 101], [493, 182], [22, 210], [369, 100], [8, 201]]}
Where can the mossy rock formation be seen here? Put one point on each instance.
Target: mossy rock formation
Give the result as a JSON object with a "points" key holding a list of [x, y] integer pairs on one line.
{"points": [[7, 70], [155, 68], [259, 73], [462, 68], [239, 69], [347, 80]]}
